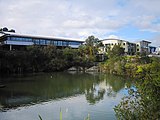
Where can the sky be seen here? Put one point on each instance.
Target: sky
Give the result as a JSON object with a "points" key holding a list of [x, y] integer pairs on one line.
{"points": [[131, 20]]}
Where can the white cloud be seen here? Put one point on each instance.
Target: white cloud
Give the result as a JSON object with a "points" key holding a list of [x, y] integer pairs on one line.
{"points": [[156, 40], [79, 18]]}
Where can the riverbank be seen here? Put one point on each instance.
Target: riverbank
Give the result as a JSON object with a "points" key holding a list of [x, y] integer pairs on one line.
{"points": [[132, 66]]}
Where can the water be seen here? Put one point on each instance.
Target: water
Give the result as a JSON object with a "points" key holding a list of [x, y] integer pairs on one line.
{"points": [[76, 94]]}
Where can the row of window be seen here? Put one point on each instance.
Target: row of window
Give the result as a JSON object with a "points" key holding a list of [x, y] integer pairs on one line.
{"points": [[120, 44], [114, 44], [44, 41]]}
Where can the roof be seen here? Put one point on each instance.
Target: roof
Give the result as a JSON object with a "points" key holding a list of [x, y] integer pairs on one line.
{"points": [[39, 36], [152, 46], [114, 39], [144, 41]]}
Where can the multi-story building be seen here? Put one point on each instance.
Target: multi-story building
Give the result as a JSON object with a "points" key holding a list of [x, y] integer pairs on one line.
{"points": [[10, 40], [143, 46], [129, 48]]}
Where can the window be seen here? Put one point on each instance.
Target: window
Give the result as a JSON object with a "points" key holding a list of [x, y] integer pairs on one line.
{"points": [[26, 39], [8, 38], [13, 38], [137, 45], [65, 43], [74, 43], [137, 49], [36, 41], [48, 42], [124, 44], [54, 43], [42, 42], [59, 43]]}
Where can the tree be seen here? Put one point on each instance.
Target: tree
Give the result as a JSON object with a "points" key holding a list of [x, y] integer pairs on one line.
{"points": [[92, 41], [143, 102], [116, 51], [91, 47], [12, 30], [5, 29]]}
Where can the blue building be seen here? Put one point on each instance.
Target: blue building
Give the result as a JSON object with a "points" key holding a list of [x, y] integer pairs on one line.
{"points": [[10, 40], [152, 49]]}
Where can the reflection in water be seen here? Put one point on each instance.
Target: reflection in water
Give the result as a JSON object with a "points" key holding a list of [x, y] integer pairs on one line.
{"points": [[39, 88]]}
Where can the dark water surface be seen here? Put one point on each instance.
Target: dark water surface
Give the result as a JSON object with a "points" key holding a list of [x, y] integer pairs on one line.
{"points": [[77, 95]]}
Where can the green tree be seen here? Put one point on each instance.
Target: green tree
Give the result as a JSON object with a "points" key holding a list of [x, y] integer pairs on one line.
{"points": [[116, 51], [37, 58], [144, 102]]}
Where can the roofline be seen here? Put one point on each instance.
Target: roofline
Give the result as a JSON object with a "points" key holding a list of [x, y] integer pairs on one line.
{"points": [[41, 37], [152, 46], [125, 40], [114, 39], [144, 41]]}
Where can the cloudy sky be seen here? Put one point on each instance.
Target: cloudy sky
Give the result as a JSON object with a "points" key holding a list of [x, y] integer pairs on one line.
{"points": [[131, 20]]}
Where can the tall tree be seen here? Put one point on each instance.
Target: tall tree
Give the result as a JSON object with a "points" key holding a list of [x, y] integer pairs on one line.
{"points": [[116, 51]]}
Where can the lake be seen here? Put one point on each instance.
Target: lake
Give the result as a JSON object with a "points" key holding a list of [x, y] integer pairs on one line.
{"points": [[75, 94]]}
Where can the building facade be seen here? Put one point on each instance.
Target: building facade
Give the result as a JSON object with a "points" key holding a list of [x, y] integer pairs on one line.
{"points": [[143, 47], [129, 48], [14, 41]]}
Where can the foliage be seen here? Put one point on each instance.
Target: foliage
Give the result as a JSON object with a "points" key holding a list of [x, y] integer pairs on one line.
{"points": [[5, 29], [116, 51], [48, 58], [143, 103], [40, 117]]}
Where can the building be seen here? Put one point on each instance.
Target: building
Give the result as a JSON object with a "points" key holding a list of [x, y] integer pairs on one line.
{"points": [[11, 41], [143, 47], [158, 50], [129, 48], [14, 41], [152, 50]]}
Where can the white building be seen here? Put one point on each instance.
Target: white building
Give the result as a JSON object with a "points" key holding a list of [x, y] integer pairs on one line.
{"points": [[129, 48]]}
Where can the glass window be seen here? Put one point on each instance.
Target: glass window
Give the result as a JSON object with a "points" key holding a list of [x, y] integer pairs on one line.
{"points": [[8, 38], [48, 42], [74, 43], [36, 41], [65, 43], [59, 43], [42, 42], [124, 44], [55, 43], [12, 38]]}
